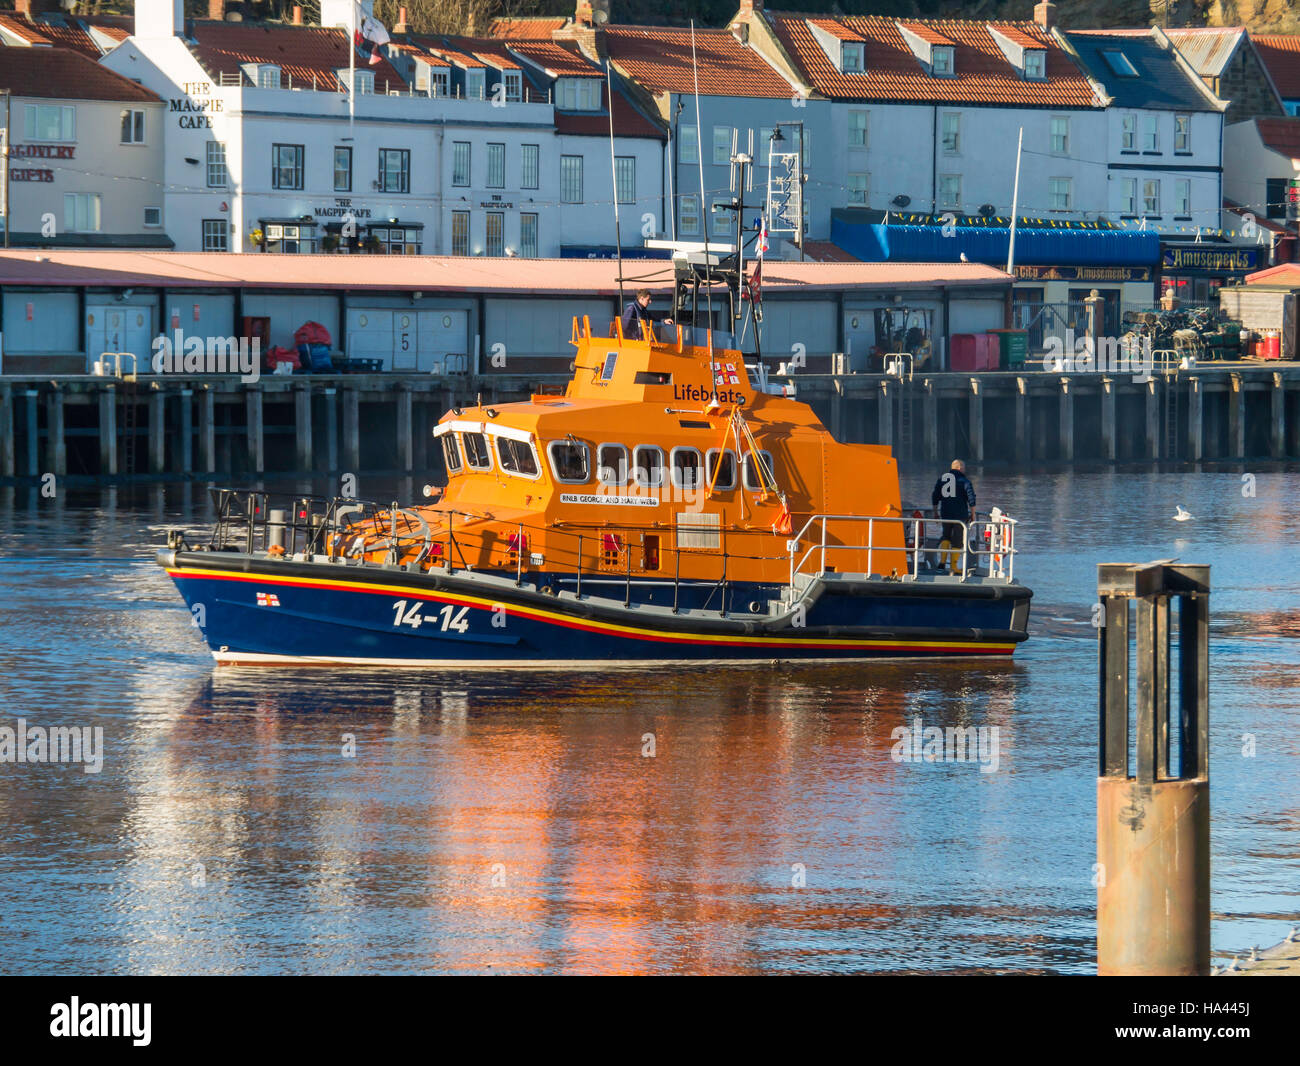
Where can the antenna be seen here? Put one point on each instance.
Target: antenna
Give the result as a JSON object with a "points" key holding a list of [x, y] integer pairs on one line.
{"points": [[707, 215], [613, 174]]}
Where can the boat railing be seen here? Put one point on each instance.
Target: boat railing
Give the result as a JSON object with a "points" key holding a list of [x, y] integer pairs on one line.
{"points": [[827, 540]]}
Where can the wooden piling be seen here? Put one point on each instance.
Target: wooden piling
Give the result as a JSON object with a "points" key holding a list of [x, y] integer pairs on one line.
{"points": [[256, 436], [930, 408], [6, 431], [184, 461], [1109, 443], [975, 400], [56, 445], [1277, 419], [1195, 417], [207, 430], [302, 426], [1236, 417], [1153, 418], [1022, 420], [885, 415], [405, 455], [33, 433], [1067, 421], [351, 430], [157, 431], [108, 430], [332, 429]]}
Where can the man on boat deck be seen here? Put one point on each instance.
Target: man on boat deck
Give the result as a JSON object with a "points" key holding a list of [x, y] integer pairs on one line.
{"points": [[636, 312], [953, 499]]}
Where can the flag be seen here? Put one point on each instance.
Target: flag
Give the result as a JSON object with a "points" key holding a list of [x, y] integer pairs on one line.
{"points": [[268, 599], [370, 35], [754, 286], [762, 236]]}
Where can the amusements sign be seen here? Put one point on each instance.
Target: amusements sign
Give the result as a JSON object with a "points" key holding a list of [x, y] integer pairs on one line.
{"points": [[1083, 273], [1190, 259]]}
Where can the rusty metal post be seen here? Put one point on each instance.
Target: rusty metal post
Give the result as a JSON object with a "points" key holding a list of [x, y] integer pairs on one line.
{"points": [[1153, 827]]}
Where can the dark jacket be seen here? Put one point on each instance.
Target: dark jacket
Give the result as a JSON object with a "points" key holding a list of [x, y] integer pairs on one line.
{"points": [[954, 495], [633, 314]]}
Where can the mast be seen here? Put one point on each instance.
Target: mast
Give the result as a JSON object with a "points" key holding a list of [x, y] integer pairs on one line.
{"points": [[613, 175]]}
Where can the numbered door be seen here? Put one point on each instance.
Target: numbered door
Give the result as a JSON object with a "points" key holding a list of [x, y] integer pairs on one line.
{"points": [[442, 334], [119, 328], [406, 340], [370, 336]]}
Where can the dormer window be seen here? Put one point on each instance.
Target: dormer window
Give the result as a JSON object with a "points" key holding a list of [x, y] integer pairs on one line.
{"points": [[1035, 64], [514, 81], [263, 75], [435, 81], [941, 61], [851, 61], [363, 83], [475, 81], [577, 94]]}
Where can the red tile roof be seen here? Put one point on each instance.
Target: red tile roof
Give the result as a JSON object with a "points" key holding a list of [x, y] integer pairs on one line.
{"points": [[1281, 55], [1280, 134], [525, 29], [557, 60], [1019, 37], [837, 29], [628, 121], [71, 35], [660, 59], [61, 74], [982, 72], [21, 28], [303, 53], [66, 31], [926, 34]]}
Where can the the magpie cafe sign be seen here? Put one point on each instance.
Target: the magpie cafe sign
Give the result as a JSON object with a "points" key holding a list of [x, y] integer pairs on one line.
{"points": [[342, 209], [195, 114], [1209, 260], [38, 151]]}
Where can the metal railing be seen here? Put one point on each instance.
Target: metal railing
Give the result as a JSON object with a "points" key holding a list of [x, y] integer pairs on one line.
{"points": [[994, 539]]}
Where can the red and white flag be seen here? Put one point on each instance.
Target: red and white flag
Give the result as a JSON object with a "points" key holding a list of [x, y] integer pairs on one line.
{"points": [[268, 599], [370, 34]]}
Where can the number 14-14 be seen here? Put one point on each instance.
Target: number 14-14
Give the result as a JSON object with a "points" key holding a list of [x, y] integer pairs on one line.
{"points": [[404, 615]]}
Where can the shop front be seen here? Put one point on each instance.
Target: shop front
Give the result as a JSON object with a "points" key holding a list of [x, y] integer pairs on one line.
{"points": [[1196, 272]]}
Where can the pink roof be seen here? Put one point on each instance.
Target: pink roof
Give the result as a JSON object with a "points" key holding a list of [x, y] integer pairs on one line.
{"points": [[1282, 274], [458, 274]]}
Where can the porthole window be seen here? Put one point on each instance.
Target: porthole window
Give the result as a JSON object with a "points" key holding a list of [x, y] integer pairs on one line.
{"points": [[477, 456], [570, 461], [721, 470], [648, 466], [686, 468]]}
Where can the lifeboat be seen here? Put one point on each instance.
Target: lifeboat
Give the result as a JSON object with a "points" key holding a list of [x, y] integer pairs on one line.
{"points": [[673, 503]]}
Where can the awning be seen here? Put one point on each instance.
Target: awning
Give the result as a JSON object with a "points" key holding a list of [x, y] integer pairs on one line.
{"points": [[877, 242]]}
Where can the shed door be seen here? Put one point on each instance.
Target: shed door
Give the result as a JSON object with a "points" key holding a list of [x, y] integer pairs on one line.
{"points": [[370, 335], [119, 328]]}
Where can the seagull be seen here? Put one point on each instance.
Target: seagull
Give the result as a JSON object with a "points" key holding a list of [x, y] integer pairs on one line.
{"points": [[1182, 516], [964, 259]]}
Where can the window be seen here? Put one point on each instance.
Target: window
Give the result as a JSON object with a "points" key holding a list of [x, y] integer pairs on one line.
{"points": [[1128, 136], [1275, 197], [571, 179], [722, 470], [1060, 193], [857, 129], [216, 235], [132, 127], [528, 235], [451, 453], [153, 216], [1060, 135], [216, 165], [394, 170], [289, 239], [578, 94], [688, 219], [268, 76], [475, 84], [1150, 134], [686, 468], [951, 132], [496, 166], [851, 57], [286, 166], [398, 240], [343, 169], [50, 122], [611, 464], [517, 457], [805, 139], [496, 233], [949, 190], [688, 145], [81, 212], [755, 478], [1035, 64], [857, 187], [1129, 196], [477, 456], [721, 215], [625, 179], [460, 163], [1151, 197], [529, 169], [514, 86], [1119, 63], [363, 81], [436, 81], [941, 61], [722, 145], [570, 461], [460, 233], [1183, 197], [648, 466], [1182, 133]]}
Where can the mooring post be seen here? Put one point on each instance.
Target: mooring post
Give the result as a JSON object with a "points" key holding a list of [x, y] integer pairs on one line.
{"points": [[6, 431], [302, 426], [976, 421], [256, 436], [157, 430], [1195, 414], [1067, 421], [1277, 418], [1153, 418], [351, 429], [33, 432], [405, 451], [837, 407], [1022, 420], [1236, 417], [885, 415], [208, 430], [56, 460], [185, 453], [930, 415], [1153, 827], [331, 429], [1109, 446], [108, 430]]}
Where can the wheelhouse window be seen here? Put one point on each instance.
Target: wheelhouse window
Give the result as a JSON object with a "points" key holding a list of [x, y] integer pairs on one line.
{"points": [[570, 461], [611, 464], [477, 456], [517, 457], [722, 470], [686, 468], [648, 465], [758, 471], [451, 453]]}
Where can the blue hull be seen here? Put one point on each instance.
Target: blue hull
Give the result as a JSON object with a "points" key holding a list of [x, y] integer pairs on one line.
{"points": [[256, 610]]}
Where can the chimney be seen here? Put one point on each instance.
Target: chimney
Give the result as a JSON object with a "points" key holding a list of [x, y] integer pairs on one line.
{"points": [[1045, 15], [297, 14], [32, 8], [401, 26], [587, 28], [747, 10]]}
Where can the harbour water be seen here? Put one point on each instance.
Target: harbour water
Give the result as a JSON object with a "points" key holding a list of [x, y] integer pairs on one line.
{"points": [[696, 819]]}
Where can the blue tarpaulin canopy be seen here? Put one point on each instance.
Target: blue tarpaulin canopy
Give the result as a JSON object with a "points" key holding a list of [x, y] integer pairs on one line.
{"points": [[876, 242]]}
